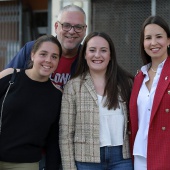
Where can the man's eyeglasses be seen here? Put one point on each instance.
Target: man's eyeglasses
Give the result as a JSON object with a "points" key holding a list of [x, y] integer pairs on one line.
{"points": [[68, 27]]}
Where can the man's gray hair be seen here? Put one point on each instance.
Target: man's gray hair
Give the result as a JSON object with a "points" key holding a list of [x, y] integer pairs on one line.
{"points": [[71, 8]]}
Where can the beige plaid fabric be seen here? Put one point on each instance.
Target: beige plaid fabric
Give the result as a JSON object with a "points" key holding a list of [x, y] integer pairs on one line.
{"points": [[79, 124]]}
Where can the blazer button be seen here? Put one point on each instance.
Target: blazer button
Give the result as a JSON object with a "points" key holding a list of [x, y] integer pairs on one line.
{"points": [[129, 132], [168, 91], [166, 78], [163, 128], [167, 110]]}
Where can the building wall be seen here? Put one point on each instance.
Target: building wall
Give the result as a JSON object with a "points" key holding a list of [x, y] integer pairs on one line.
{"points": [[122, 20], [9, 30], [20, 22], [36, 5]]}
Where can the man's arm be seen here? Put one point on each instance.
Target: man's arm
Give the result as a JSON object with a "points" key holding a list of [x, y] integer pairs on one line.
{"points": [[21, 59]]}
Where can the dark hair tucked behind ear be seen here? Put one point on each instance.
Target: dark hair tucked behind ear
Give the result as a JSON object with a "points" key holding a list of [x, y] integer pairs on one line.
{"points": [[42, 39], [118, 81], [152, 20]]}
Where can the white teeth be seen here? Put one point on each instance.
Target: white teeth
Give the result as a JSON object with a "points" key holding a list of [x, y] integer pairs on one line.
{"points": [[70, 37], [155, 49], [47, 67], [97, 62]]}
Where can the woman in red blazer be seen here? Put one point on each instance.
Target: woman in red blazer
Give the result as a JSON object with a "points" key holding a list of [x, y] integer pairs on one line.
{"points": [[150, 99]]}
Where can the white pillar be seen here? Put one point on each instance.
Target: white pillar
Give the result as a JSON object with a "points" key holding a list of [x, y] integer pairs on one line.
{"points": [[55, 8], [153, 7]]}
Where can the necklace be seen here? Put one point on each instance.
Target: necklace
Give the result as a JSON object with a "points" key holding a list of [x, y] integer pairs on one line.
{"points": [[153, 70]]}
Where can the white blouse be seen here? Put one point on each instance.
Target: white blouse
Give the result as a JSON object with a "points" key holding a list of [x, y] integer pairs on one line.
{"points": [[144, 103], [111, 125]]}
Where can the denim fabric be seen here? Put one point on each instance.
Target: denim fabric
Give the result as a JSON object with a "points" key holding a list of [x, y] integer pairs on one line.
{"points": [[111, 159]]}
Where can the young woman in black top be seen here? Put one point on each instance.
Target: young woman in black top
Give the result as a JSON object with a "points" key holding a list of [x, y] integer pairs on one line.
{"points": [[30, 113]]}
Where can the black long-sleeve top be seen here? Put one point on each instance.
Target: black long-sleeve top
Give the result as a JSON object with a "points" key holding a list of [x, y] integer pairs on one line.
{"points": [[30, 121]]}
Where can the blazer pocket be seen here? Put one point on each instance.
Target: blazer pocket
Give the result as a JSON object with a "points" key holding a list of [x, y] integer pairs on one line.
{"points": [[79, 139]]}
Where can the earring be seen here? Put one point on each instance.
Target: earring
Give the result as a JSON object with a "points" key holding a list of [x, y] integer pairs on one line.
{"points": [[168, 46]]}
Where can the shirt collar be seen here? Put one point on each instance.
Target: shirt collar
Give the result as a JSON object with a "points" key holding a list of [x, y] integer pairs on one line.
{"points": [[146, 67]]}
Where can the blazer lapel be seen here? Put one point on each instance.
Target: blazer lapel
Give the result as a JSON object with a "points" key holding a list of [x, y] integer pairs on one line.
{"points": [[137, 84], [162, 86], [133, 100], [90, 87]]}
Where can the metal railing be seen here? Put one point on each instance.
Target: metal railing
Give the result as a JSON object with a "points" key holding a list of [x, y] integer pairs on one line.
{"points": [[10, 31]]}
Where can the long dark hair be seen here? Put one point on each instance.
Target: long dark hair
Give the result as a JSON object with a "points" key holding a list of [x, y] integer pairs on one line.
{"points": [[152, 20], [118, 81]]}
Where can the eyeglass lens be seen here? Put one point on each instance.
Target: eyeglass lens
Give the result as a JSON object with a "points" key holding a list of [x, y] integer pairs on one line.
{"points": [[68, 27]]}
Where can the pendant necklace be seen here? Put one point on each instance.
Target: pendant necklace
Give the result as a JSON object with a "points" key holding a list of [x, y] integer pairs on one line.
{"points": [[153, 70]]}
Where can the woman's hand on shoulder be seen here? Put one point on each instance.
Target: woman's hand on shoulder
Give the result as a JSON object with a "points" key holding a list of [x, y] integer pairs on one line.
{"points": [[7, 72]]}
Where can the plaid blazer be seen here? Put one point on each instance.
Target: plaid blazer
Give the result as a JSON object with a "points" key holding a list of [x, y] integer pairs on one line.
{"points": [[158, 149], [79, 124]]}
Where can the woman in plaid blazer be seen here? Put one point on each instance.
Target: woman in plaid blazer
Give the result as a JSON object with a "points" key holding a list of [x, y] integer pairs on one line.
{"points": [[94, 114], [150, 99]]}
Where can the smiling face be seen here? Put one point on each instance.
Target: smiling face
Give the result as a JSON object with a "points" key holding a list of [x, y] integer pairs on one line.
{"points": [[156, 42], [45, 60], [97, 54], [70, 40]]}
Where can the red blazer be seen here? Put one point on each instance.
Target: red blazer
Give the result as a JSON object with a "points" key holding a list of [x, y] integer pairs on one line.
{"points": [[158, 151]]}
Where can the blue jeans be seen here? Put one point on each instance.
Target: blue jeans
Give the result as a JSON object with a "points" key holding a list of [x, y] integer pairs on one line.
{"points": [[111, 159]]}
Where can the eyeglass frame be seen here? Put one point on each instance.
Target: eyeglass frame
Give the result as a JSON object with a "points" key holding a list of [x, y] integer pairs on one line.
{"points": [[72, 26]]}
